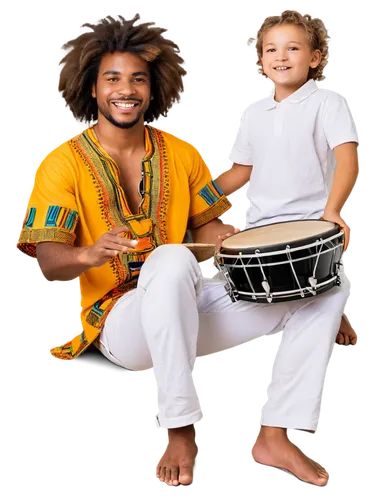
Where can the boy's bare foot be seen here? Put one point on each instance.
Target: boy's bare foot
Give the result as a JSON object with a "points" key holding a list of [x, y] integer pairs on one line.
{"points": [[274, 448], [346, 334], [176, 465]]}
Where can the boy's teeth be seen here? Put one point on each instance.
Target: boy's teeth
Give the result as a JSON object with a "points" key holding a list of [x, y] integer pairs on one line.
{"points": [[281, 68]]}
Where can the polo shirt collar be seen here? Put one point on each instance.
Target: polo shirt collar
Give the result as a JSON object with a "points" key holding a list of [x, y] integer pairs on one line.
{"points": [[299, 95]]}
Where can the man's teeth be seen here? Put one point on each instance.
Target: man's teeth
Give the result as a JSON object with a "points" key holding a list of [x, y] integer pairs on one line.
{"points": [[124, 105], [282, 67]]}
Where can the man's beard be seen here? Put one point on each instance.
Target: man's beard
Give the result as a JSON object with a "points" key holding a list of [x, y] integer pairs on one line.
{"points": [[122, 125]]}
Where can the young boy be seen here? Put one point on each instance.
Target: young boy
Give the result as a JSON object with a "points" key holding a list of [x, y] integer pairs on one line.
{"points": [[299, 145], [237, 176], [154, 309]]}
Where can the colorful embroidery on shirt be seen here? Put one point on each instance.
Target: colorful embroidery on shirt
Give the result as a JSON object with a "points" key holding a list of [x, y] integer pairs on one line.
{"points": [[28, 237], [84, 343], [30, 217], [95, 315], [112, 202], [211, 193], [100, 310], [212, 212], [102, 173], [161, 184], [61, 217], [62, 352]]}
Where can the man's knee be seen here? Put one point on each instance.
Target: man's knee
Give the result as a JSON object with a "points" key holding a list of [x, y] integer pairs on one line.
{"points": [[171, 262]]}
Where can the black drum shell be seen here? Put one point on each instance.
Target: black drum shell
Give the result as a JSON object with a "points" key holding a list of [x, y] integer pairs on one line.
{"points": [[279, 274]]}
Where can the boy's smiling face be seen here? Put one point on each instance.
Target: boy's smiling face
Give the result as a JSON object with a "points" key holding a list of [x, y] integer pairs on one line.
{"points": [[288, 56]]}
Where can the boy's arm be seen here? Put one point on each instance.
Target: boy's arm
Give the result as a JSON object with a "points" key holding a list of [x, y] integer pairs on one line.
{"points": [[215, 231], [343, 182], [234, 179]]}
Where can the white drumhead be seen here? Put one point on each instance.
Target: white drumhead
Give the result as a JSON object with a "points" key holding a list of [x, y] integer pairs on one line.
{"points": [[283, 232]]}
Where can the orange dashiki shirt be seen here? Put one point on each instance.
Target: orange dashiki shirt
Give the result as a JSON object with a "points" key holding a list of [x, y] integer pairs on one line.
{"points": [[77, 197]]}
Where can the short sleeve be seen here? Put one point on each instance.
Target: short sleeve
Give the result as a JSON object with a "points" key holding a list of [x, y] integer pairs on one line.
{"points": [[207, 201], [241, 151], [52, 213], [338, 123]]}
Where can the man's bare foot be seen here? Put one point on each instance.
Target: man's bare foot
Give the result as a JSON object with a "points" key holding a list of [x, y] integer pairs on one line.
{"points": [[176, 465], [346, 335], [274, 448]]}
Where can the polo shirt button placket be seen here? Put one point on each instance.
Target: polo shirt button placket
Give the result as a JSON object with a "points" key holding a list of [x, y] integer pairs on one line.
{"points": [[279, 117]]}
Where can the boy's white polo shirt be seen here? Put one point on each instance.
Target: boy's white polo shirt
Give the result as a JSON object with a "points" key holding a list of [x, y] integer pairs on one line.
{"points": [[290, 145]]}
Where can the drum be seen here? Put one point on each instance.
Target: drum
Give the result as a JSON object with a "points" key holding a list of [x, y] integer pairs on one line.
{"points": [[283, 261], [201, 251]]}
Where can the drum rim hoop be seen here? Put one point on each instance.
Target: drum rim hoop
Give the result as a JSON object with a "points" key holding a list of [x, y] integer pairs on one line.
{"points": [[295, 244]]}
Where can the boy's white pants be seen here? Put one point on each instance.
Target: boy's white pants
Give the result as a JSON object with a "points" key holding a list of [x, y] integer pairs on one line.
{"points": [[175, 315]]}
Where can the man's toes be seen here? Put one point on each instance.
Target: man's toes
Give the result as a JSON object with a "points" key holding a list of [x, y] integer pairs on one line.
{"points": [[340, 338], [161, 476], [158, 468], [352, 338], [322, 479], [321, 468], [174, 476], [186, 475], [168, 475]]}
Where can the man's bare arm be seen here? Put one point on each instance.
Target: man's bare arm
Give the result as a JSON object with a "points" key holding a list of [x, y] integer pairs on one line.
{"points": [[59, 261], [213, 231], [62, 262]]}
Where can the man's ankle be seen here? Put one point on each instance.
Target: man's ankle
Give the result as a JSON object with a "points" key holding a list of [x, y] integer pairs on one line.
{"points": [[273, 432]]}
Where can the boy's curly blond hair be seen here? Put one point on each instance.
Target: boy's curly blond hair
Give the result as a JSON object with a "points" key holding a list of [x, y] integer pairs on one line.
{"points": [[315, 30]]}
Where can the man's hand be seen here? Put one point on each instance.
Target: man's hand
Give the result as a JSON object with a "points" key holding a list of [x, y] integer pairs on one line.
{"points": [[211, 231], [108, 245], [223, 237], [63, 262]]}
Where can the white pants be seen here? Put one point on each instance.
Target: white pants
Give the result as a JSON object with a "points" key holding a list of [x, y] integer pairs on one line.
{"points": [[175, 315]]}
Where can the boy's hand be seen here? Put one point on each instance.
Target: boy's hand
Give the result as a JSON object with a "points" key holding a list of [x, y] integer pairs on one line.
{"points": [[332, 216], [346, 335]]}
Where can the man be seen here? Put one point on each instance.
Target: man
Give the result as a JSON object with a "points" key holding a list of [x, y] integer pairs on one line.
{"points": [[122, 192]]}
